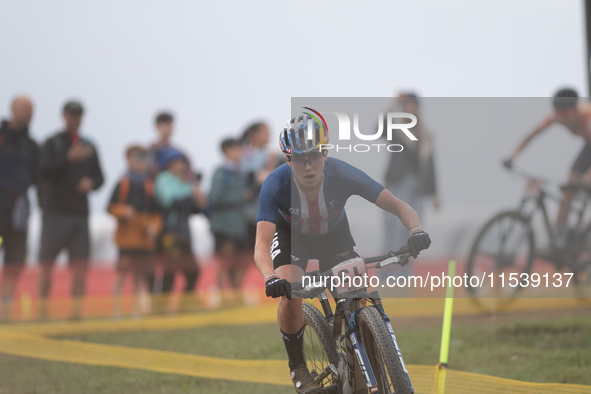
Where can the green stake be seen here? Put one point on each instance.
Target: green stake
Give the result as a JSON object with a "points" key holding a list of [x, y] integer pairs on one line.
{"points": [[446, 330]]}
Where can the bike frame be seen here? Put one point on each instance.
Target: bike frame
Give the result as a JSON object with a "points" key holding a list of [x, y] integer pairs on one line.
{"points": [[539, 203], [347, 310]]}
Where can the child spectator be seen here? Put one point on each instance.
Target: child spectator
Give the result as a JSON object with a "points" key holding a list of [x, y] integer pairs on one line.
{"points": [[178, 198], [164, 123], [139, 224], [227, 196]]}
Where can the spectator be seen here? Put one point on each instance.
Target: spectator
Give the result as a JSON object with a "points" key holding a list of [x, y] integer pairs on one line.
{"points": [[227, 196], [70, 170], [258, 163], [410, 175], [18, 170], [139, 224], [179, 198], [165, 128]]}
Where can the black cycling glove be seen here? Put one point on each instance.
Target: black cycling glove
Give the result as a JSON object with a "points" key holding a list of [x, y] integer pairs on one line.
{"points": [[417, 242], [276, 287]]}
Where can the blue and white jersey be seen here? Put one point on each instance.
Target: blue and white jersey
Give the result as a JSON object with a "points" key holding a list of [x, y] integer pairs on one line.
{"points": [[319, 215]]}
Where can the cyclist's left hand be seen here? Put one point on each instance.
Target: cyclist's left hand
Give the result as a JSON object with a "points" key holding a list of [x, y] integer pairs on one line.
{"points": [[276, 287], [417, 242]]}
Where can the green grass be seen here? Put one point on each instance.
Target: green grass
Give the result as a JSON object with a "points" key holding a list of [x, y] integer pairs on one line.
{"points": [[544, 350], [224, 342], [25, 375], [19, 375], [539, 348]]}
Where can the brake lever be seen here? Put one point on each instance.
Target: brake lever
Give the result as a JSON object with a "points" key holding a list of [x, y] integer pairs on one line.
{"points": [[404, 260], [400, 260], [388, 261]]}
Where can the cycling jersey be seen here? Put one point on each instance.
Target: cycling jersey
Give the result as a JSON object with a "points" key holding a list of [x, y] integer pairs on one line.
{"points": [[281, 195]]}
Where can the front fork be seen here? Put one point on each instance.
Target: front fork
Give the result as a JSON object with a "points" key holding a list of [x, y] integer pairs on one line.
{"points": [[353, 335], [355, 348], [362, 359], [380, 309]]}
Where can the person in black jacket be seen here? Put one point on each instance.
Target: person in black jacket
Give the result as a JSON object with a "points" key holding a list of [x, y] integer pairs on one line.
{"points": [[18, 170], [70, 170], [410, 176]]}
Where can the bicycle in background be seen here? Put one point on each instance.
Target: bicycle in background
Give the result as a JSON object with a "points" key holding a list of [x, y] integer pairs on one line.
{"points": [[507, 242], [354, 349]]}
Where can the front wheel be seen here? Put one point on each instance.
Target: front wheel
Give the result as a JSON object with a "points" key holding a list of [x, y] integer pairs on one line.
{"points": [[319, 348], [505, 245], [384, 358]]}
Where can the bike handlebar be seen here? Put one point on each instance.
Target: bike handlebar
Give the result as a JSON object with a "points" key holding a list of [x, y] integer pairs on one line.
{"points": [[509, 166], [403, 250], [399, 256]]}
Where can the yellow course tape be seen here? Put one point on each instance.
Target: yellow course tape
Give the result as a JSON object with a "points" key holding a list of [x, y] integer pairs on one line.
{"points": [[266, 313], [253, 371], [259, 371], [28, 340], [227, 317], [466, 382]]}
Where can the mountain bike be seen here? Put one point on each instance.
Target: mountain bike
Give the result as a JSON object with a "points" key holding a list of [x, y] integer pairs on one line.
{"points": [[506, 244], [354, 349]]}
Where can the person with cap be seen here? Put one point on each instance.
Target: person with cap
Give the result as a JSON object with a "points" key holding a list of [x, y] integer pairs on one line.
{"points": [[178, 198], [70, 170], [19, 156]]}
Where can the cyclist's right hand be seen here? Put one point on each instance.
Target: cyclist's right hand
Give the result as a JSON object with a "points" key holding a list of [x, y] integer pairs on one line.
{"points": [[508, 163], [276, 287]]}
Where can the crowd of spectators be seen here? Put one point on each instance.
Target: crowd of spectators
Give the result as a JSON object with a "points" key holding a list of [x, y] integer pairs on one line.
{"points": [[152, 203]]}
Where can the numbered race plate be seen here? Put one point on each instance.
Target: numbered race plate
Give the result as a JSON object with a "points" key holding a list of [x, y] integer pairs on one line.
{"points": [[351, 274]]}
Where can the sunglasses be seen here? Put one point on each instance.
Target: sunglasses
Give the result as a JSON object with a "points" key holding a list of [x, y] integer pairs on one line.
{"points": [[314, 159]]}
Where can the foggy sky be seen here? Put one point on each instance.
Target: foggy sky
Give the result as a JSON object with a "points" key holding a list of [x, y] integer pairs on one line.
{"points": [[220, 65]]}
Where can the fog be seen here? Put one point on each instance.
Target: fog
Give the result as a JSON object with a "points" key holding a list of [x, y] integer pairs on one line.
{"points": [[220, 65]]}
